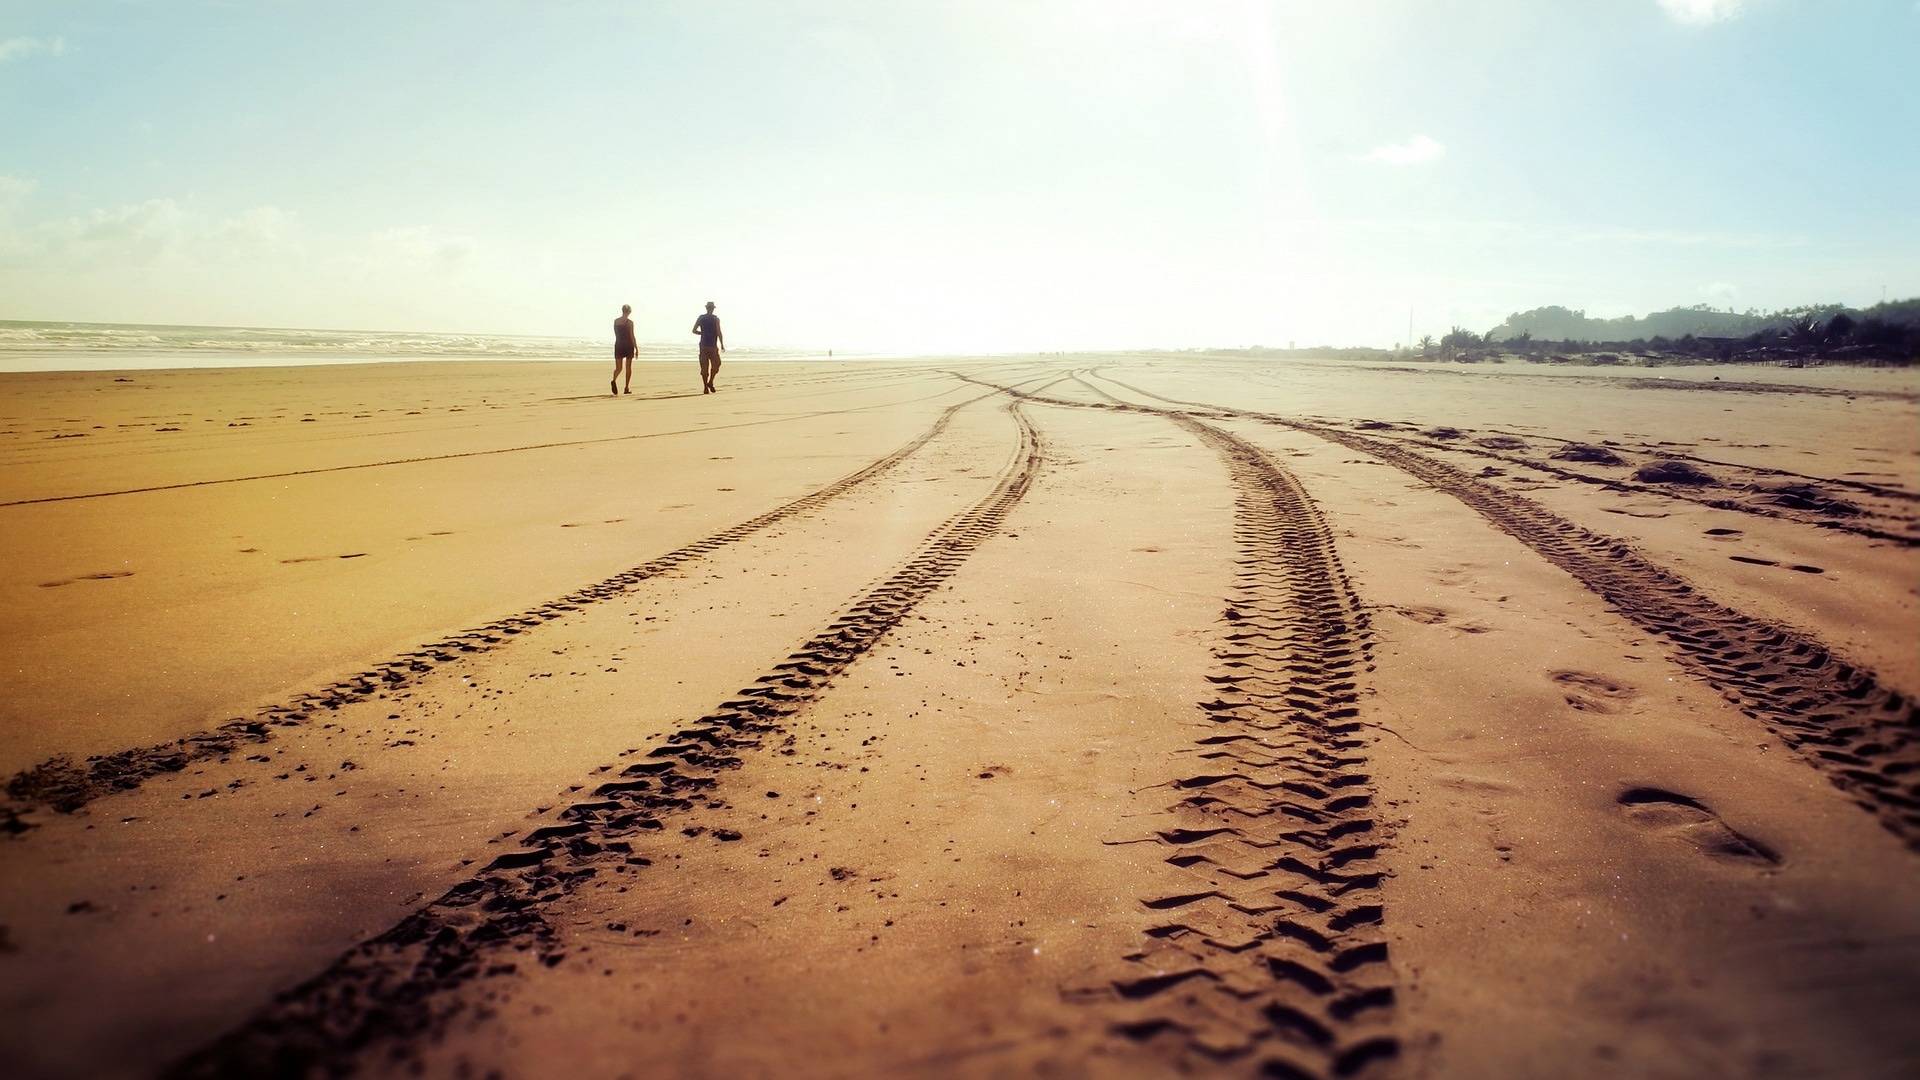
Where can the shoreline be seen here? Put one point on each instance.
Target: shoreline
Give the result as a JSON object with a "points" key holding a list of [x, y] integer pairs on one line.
{"points": [[1733, 376], [167, 362]]}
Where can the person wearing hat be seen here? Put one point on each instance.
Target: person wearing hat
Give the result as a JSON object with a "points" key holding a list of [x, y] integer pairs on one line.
{"points": [[712, 344]]}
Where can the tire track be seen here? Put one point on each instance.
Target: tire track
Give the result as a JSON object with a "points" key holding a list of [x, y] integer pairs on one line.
{"points": [[395, 987], [65, 786], [1640, 382], [1863, 486], [1861, 733], [1814, 508], [1274, 958]]}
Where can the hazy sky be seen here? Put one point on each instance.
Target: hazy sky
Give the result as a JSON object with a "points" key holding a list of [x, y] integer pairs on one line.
{"points": [[952, 175]]}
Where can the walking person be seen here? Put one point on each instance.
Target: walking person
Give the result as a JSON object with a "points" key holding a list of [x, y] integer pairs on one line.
{"points": [[624, 349], [712, 344]]}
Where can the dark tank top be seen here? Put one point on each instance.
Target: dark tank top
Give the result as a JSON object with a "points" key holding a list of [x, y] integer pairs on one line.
{"points": [[623, 335]]}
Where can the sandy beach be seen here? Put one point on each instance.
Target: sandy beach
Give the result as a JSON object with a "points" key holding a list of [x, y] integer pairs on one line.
{"points": [[1117, 714]]}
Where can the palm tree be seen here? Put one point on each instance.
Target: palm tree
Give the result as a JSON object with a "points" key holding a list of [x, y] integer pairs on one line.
{"points": [[1803, 329]]}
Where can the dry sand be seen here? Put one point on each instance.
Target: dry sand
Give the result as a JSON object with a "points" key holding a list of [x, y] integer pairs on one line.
{"points": [[1063, 716]]}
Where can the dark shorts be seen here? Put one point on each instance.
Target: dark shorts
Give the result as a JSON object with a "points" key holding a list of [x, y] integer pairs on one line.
{"points": [[710, 352]]}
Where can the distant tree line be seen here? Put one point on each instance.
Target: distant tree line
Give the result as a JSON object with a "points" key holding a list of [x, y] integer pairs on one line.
{"points": [[1885, 332], [1561, 324]]}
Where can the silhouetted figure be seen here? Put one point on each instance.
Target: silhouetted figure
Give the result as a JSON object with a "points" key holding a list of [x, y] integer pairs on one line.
{"points": [[712, 344], [624, 349]]}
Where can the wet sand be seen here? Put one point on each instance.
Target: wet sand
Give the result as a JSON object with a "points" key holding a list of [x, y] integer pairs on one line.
{"points": [[1069, 716]]}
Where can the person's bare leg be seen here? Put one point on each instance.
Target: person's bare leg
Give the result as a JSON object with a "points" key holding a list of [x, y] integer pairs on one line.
{"points": [[628, 371], [706, 375], [711, 374], [613, 384]]}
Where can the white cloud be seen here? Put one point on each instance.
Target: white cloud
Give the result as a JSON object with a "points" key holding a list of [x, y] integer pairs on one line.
{"points": [[180, 259], [421, 247], [16, 48], [1534, 234], [262, 226], [155, 231], [13, 196], [169, 236], [136, 232], [1415, 151], [1701, 12], [13, 192]]}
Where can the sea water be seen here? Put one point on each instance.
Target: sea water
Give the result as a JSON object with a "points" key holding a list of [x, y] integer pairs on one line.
{"points": [[73, 346]]}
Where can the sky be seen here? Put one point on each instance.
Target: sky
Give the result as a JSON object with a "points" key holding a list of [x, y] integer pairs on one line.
{"points": [[952, 175]]}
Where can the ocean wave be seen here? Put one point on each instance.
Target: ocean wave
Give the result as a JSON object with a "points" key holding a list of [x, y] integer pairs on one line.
{"points": [[36, 344]]}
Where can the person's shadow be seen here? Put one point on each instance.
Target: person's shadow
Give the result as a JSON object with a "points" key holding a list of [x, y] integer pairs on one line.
{"points": [[628, 397]]}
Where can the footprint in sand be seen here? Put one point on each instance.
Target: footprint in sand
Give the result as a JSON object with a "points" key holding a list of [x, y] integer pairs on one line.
{"points": [[1691, 821], [1589, 692], [105, 575], [322, 558], [1723, 534]]}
